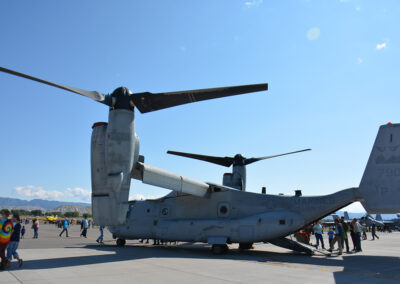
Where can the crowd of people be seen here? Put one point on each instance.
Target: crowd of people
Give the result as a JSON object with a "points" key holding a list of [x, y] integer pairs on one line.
{"points": [[12, 230], [339, 234]]}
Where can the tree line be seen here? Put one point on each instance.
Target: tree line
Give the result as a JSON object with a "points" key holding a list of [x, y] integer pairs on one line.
{"points": [[36, 212]]}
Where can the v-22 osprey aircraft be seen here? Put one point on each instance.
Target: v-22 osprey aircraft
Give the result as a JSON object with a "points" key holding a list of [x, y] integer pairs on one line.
{"points": [[197, 211]]}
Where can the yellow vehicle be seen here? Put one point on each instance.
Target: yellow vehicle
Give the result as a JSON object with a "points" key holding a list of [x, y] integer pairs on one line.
{"points": [[51, 219]]}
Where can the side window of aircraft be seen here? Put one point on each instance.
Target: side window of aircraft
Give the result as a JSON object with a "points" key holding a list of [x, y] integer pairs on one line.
{"points": [[223, 209]]}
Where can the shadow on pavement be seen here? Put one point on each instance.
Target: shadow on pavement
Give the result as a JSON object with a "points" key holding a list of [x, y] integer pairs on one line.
{"points": [[352, 268]]}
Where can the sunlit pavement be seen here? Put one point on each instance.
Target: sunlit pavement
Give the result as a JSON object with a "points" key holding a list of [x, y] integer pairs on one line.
{"points": [[51, 259]]}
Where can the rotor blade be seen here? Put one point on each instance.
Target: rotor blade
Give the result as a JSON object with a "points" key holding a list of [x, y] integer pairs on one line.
{"points": [[147, 102], [252, 160], [90, 94], [222, 161]]}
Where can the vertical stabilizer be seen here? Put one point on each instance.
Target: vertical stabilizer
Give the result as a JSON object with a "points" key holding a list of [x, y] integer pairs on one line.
{"points": [[380, 184]]}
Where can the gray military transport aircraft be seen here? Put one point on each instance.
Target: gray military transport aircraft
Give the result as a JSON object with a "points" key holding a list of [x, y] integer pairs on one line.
{"points": [[197, 211]]}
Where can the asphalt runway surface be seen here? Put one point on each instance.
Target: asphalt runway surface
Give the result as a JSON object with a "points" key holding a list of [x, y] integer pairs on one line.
{"points": [[51, 259]]}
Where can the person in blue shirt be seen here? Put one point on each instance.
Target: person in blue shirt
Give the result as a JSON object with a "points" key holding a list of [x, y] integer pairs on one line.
{"points": [[318, 234], [84, 226], [100, 238], [23, 232], [65, 225], [331, 233], [14, 240]]}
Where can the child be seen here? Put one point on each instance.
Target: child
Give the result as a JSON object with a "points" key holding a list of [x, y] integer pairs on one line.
{"points": [[14, 240], [23, 232], [331, 233], [100, 238]]}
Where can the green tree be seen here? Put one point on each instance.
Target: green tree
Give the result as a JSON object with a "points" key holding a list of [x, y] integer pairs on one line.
{"points": [[36, 213], [71, 214], [20, 212], [59, 214]]}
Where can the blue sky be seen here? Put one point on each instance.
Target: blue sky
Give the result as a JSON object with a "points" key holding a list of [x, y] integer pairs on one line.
{"points": [[332, 69]]}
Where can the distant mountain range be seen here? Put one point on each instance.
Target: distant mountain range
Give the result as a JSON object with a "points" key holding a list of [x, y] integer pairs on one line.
{"points": [[41, 204]]}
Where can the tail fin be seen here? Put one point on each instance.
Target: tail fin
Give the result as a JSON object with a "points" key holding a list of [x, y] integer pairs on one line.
{"points": [[346, 215], [380, 184], [378, 217]]}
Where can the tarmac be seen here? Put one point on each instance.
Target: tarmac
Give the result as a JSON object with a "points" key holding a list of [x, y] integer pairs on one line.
{"points": [[51, 259]]}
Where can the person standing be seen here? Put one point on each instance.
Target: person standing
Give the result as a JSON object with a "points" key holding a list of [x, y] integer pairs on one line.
{"points": [[6, 228], [100, 238], [364, 231], [35, 227], [345, 239], [65, 225], [338, 237], [373, 231], [23, 232], [357, 234], [14, 240], [331, 234], [84, 226], [318, 234]]}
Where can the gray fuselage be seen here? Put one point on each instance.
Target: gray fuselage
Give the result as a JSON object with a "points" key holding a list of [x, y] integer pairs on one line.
{"points": [[227, 215]]}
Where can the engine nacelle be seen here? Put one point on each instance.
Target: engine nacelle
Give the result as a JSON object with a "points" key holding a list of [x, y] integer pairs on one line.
{"points": [[113, 153]]}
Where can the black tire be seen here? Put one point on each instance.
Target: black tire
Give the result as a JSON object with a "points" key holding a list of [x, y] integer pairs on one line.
{"points": [[121, 242], [245, 246], [219, 249]]}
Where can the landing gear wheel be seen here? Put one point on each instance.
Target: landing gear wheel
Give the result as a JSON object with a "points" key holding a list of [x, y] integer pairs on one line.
{"points": [[121, 242], [219, 249], [245, 246]]}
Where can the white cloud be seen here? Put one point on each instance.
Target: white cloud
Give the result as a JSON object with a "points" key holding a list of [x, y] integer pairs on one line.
{"points": [[253, 3], [31, 191], [313, 33], [358, 8], [359, 60], [78, 193], [380, 46]]}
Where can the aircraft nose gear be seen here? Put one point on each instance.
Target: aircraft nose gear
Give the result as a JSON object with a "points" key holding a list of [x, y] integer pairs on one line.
{"points": [[121, 242]]}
